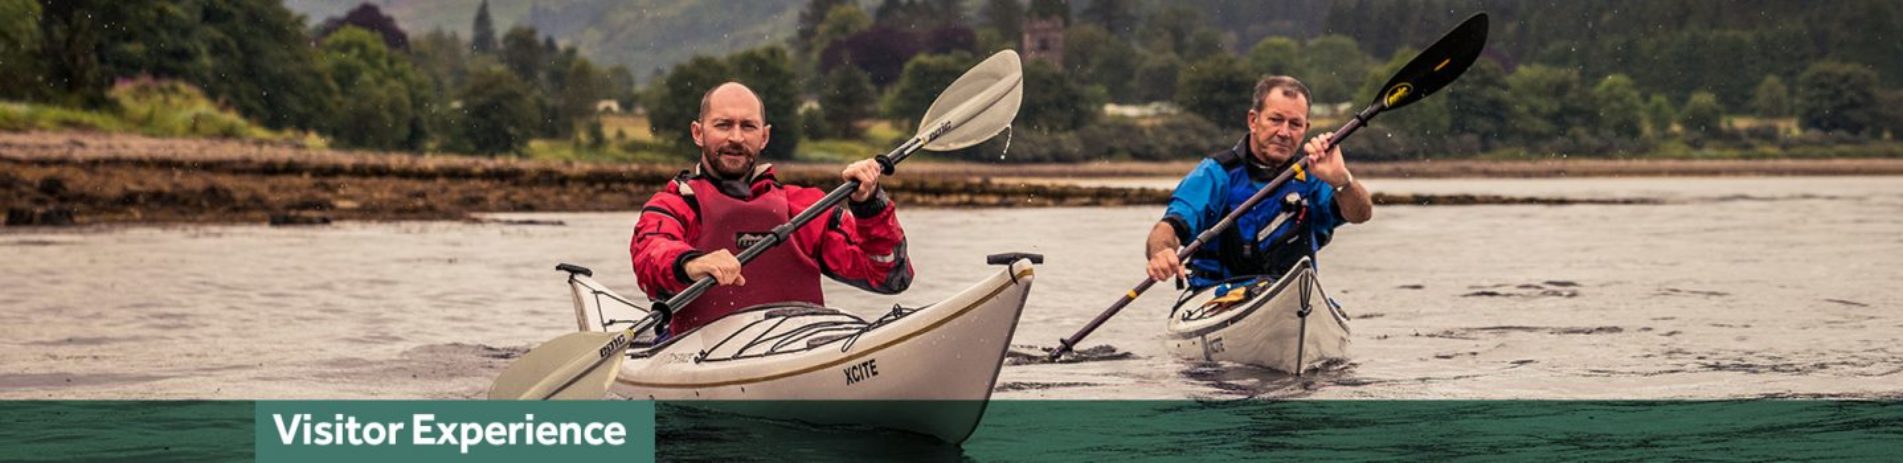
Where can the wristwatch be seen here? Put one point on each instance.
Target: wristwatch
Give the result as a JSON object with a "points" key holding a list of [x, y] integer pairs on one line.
{"points": [[1349, 183]]}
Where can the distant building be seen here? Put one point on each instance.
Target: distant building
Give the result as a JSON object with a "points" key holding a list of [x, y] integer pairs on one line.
{"points": [[1138, 111], [608, 106], [1044, 40]]}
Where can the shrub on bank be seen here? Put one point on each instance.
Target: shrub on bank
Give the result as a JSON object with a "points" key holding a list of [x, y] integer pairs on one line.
{"points": [[168, 108], [155, 107]]}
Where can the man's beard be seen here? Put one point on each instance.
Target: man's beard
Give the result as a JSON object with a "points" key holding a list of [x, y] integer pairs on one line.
{"points": [[731, 161]]}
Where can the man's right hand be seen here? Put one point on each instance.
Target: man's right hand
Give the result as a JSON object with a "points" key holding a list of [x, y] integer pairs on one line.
{"points": [[1161, 246], [718, 264], [1164, 265]]}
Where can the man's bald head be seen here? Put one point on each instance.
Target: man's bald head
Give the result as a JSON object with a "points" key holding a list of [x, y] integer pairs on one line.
{"points": [[730, 89]]}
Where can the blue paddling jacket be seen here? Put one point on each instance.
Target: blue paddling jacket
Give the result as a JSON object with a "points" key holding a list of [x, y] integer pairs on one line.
{"points": [[1295, 221]]}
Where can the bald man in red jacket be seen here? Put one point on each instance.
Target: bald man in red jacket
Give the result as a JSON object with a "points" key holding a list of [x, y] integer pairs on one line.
{"points": [[696, 225]]}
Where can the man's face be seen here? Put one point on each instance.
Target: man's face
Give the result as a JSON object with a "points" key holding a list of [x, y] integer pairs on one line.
{"points": [[1276, 131], [732, 131]]}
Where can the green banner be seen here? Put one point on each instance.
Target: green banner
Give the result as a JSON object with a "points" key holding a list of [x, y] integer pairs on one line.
{"points": [[144, 431], [1009, 430], [1324, 430], [471, 431]]}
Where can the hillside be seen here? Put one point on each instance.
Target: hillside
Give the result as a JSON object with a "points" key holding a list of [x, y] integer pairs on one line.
{"points": [[644, 35]]}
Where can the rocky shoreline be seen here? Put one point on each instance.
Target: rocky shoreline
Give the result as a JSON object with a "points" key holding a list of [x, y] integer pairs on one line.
{"points": [[69, 178], [66, 179]]}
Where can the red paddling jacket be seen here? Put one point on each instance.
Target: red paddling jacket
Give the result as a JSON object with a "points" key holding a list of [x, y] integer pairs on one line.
{"points": [[859, 245]]}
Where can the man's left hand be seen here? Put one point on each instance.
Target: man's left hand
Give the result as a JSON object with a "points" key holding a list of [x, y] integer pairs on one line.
{"points": [[867, 173], [1328, 165]]}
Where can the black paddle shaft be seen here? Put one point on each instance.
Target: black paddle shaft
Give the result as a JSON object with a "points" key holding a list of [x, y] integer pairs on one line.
{"points": [[1361, 119], [664, 310]]}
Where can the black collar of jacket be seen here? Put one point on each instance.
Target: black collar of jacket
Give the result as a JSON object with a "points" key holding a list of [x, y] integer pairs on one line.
{"points": [[741, 188]]}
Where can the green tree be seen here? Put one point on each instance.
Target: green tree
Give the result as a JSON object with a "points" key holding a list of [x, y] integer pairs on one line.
{"points": [[846, 99], [1335, 67], [1119, 17], [1218, 89], [19, 47], [499, 113], [1054, 102], [1548, 102], [581, 86], [1702, 115], [813, 122], [769, 72], [1621, 109], [1050, 9], [262, 64], [1481, 104], [251, 54], [841, 22], [1180, 29], [380, 93], [1275, 56], [1098, 58], [921, 81], [944, 13], [811, 16], [523, 53], [1006, 17], [1156, 77], [673, 101], [73, 37], [1659, 114], [1772, 98], [482, 38], [1836, 96], [621, 87], [1891, 104], [443, 57]]}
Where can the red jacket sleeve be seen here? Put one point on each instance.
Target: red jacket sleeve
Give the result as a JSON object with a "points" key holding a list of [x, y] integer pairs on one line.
{"points": [[860, 245], [660, 241]]}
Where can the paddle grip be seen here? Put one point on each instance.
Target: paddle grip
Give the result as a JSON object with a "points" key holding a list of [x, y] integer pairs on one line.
{"points": [[887, 166]]}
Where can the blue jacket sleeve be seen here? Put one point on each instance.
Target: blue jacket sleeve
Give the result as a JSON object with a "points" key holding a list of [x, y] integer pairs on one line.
{"points": [[1195, 204]]}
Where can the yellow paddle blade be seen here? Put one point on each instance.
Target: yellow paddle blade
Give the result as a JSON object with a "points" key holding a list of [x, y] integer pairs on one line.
{"points": [[574, 366]]}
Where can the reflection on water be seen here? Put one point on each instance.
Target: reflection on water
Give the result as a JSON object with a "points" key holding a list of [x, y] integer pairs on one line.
{"points": [[1788, 294]]}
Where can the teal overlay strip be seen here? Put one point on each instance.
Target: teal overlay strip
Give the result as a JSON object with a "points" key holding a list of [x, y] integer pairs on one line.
{"points": [[1253, 430], [463, 431], [144, 431], [1011, 430]]}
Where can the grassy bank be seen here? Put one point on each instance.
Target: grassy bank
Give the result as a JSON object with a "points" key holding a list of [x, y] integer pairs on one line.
{"points": [[149, 107]]}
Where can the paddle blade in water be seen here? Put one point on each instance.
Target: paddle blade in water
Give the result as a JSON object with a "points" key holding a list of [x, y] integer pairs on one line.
{"points": [[977, 106], [1436, 66], [573, 366]]}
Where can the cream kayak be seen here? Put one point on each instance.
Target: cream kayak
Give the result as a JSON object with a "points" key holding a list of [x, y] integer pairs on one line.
{"points": [[794, 361], [1288, 325]]}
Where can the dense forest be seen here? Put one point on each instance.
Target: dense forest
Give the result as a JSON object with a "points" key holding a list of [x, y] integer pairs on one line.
{"points": [[1620, 77]]}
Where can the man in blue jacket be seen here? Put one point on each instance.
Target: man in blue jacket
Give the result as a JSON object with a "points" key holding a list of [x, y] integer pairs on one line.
{"points": [[1294, 222]]}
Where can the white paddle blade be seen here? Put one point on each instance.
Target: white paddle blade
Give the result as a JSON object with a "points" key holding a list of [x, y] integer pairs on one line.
{"points": [[568, 367], [977, 106]]}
